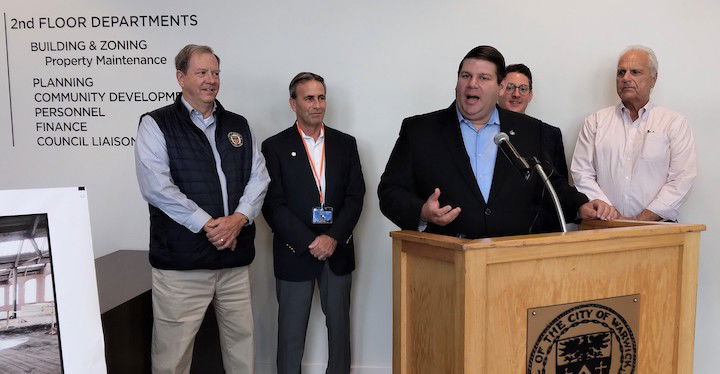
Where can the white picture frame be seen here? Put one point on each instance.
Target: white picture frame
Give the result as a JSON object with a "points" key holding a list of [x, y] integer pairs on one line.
{"points": [[80, 329]]}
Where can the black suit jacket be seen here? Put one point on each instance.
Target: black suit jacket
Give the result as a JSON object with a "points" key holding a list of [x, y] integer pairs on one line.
{"points": [[292, 194], [430, 153], [555, 166]]}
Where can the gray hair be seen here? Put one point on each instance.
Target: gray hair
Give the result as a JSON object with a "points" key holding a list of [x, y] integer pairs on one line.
{"points": [[183, 57], [648, 51], [301, 78]]}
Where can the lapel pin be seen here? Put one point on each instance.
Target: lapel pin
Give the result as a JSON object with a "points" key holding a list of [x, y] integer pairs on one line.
{"points": [[293, 154], [512, 132]]}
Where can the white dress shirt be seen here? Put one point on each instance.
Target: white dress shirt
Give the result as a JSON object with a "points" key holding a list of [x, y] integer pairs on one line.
{"points": [[649, 163], [316, 153]]}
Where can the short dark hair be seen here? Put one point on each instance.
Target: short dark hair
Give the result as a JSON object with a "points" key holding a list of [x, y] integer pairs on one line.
{"points": [[522, 69], [487, 53], [183, 57], [304, 77]]}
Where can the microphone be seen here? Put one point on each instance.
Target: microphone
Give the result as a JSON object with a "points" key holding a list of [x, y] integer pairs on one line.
{"points": [[502, 140]]}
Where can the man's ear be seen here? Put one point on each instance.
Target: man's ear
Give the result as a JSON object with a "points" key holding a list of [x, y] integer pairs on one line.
{"points": [[180, 78]]}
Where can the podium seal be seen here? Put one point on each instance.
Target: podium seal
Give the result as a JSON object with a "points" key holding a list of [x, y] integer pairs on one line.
{"points": [[584, 338]]}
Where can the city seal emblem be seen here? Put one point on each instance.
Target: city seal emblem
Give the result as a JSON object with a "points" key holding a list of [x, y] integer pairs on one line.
{"points": [[235, 139], [586, 338]]}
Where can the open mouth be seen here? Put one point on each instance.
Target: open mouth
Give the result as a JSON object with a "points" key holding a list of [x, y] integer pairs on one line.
{"points": [[470, 99]]}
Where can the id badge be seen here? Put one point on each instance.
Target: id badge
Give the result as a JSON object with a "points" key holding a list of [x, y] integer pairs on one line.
{"points": [[322, 215]]}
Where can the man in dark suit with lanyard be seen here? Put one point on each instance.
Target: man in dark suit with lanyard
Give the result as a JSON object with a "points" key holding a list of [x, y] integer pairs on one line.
{"points": [[313, 203], [445, 176]]}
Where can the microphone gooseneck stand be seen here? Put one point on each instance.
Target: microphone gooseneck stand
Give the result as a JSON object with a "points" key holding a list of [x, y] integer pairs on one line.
{"points": [[541, 173], [502, 140]]}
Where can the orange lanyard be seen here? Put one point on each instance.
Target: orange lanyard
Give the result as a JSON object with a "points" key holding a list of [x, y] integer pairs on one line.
{"points": [[317, 175]]}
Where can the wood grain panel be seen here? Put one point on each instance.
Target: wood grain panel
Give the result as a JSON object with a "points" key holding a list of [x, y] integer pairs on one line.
{"points": [[460, 306], [652, 273], [431, 314], [686, 305], [400, 320]]}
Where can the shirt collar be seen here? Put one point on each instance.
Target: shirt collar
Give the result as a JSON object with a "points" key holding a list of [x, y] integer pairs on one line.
{"points": [[494, 119], [193, 111], [308, 137], [648, 107]]}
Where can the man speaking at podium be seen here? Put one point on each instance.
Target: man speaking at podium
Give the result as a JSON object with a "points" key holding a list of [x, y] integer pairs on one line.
{"points": [[445, 175]]}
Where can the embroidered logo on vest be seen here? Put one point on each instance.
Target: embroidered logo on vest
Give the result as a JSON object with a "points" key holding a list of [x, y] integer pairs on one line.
{"points": [[235, 139]]}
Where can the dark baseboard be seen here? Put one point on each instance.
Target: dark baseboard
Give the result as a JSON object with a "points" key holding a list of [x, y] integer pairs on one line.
{"points": [[127, 324]]}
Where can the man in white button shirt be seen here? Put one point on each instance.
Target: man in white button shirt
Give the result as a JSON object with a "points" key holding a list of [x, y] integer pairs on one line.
{"points": [[636, 156]]}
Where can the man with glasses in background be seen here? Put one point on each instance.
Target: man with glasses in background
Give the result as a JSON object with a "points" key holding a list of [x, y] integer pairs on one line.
{"points": [[518, 88], [517, 97]]}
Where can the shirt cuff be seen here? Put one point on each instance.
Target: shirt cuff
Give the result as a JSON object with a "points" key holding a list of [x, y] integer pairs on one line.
{"points": [[422, 226], [664, 211], [247, 210], [197, 220]]}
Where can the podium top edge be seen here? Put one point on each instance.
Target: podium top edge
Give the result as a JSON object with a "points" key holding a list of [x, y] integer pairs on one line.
{"points": [[602, 232]]}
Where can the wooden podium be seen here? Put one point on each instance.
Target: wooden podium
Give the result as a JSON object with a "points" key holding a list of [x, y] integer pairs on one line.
{"points": [[460, 306]]}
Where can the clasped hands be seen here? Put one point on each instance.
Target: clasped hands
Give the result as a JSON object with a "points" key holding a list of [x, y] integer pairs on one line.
{"points": [[222, 232], [599, 209], [322, 247]]}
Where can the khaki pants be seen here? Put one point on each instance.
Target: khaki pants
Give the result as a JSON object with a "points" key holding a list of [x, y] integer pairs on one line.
{"points": [[180, 299]]}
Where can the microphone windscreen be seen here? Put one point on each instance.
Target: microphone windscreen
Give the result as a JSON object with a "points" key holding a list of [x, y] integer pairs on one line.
{"points": [[499, 137]]}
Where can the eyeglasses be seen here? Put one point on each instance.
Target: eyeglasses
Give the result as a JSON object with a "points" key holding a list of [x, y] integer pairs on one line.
{"points": [[524, 88]]}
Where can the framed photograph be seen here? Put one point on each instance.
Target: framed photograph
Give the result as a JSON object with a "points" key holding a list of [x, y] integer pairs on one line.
{"points": [[29, 331], [49, 313]]}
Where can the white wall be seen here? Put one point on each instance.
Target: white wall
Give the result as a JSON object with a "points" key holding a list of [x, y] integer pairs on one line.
{"points": [[382, 61]]}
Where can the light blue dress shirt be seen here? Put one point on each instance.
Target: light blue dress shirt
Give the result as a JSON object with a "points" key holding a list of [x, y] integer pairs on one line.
{"points": [[152, 166], [481, 149]]}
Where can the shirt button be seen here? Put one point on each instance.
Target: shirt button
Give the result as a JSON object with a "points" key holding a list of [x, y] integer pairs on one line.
{"points": [[487, 211]]}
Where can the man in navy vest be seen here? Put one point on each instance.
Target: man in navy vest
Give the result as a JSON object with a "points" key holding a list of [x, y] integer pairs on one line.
{"points": [[201, 172], [518, 95]]}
